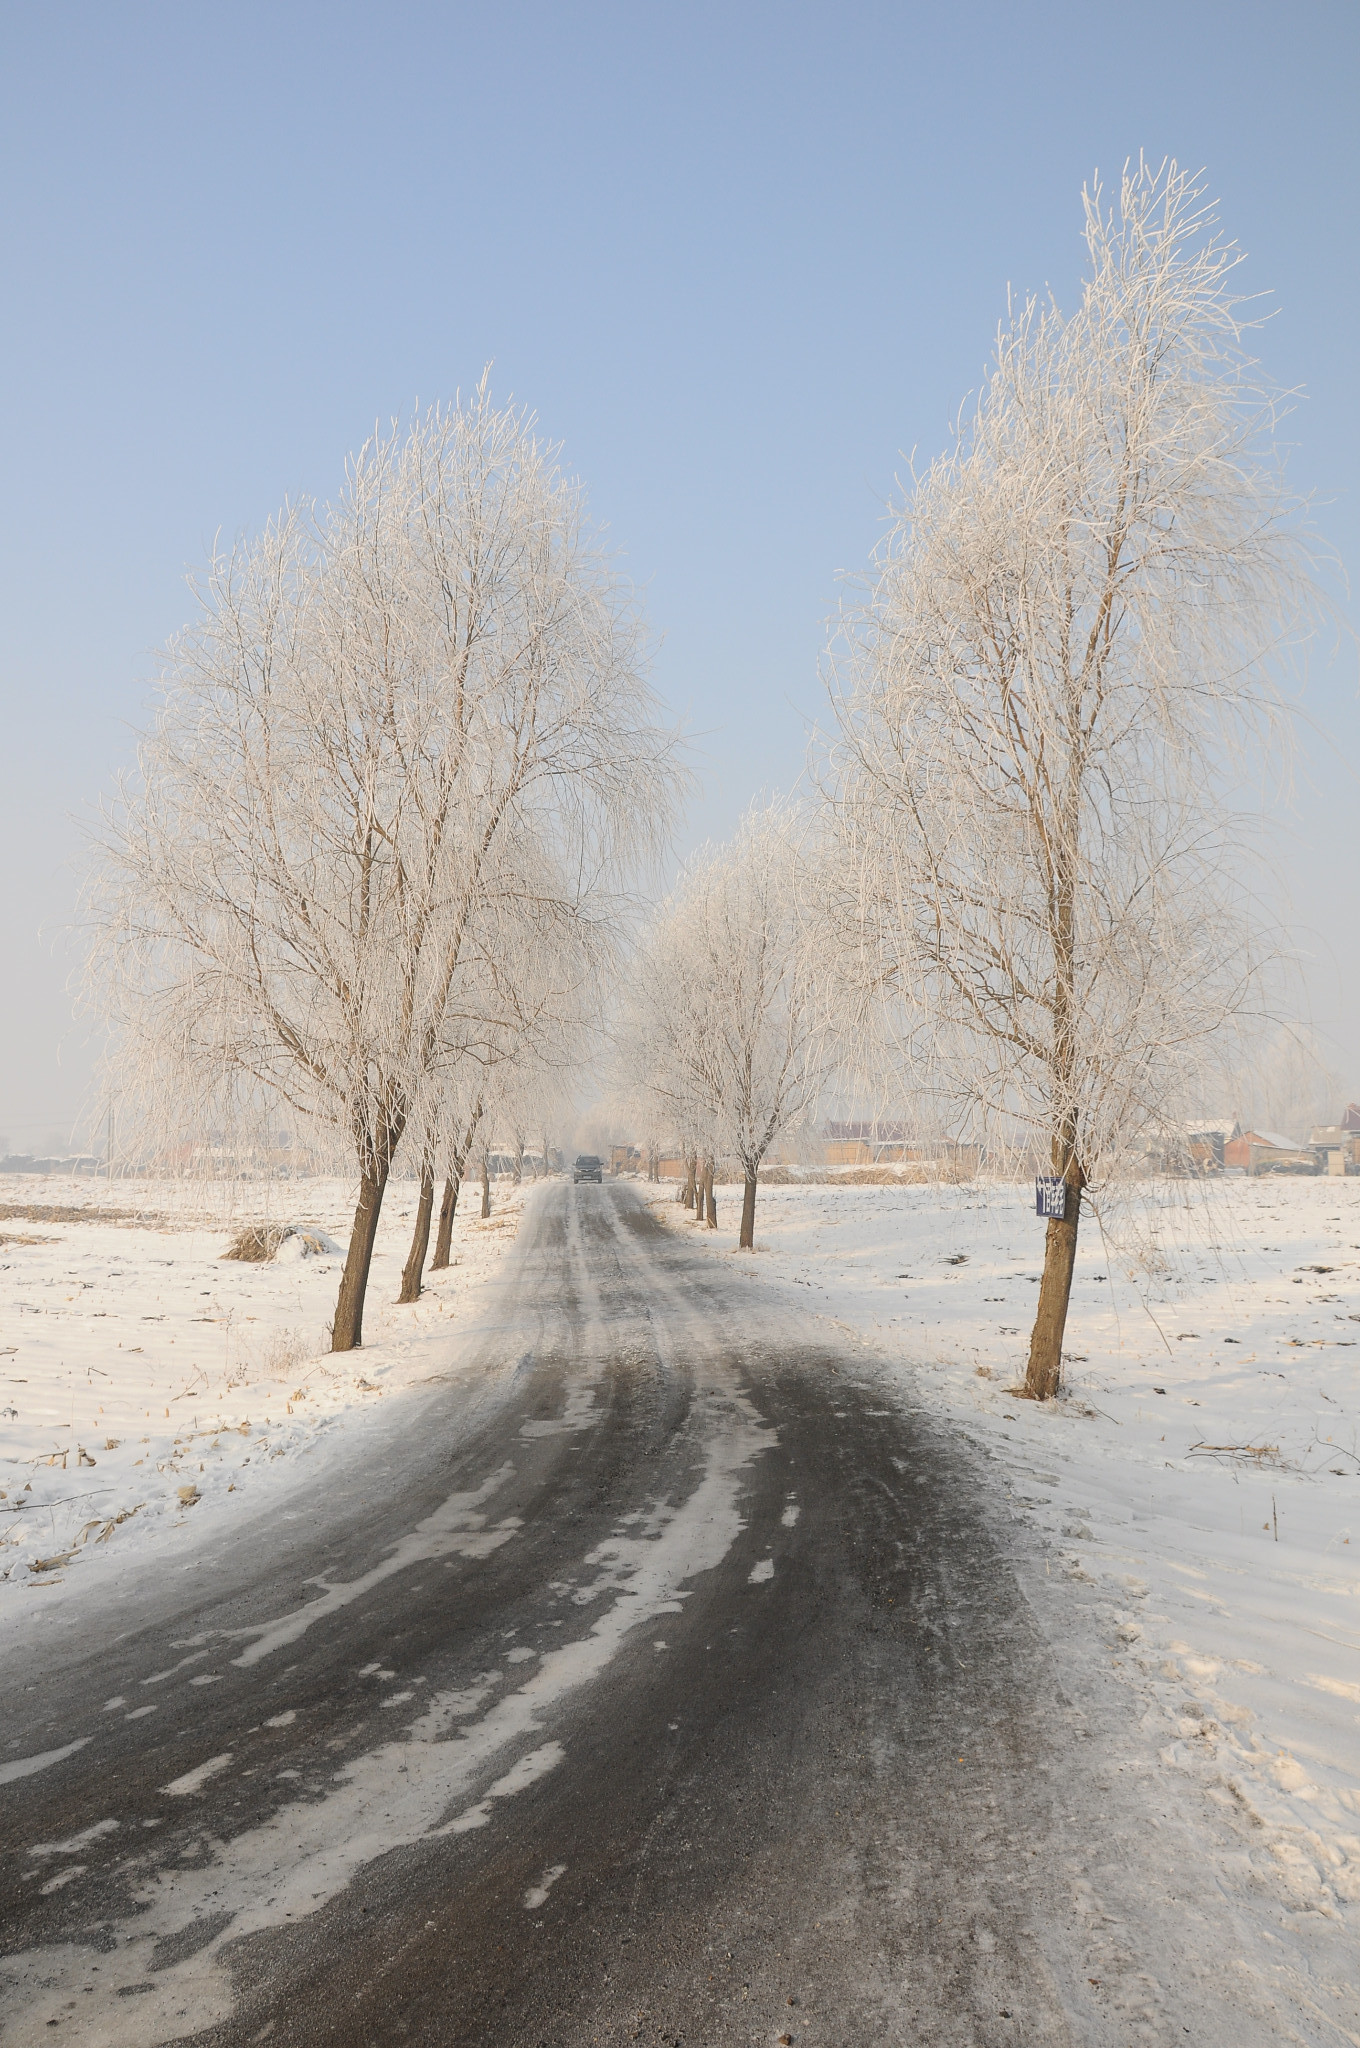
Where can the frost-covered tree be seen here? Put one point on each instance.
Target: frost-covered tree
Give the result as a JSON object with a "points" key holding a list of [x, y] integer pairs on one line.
{"points": [[505, 1050], [394, 715], [463, 1129], [1046, 697], [723, 1024]]}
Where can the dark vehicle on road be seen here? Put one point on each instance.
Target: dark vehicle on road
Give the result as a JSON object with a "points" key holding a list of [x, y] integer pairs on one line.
{"points": [[588, 1167]]}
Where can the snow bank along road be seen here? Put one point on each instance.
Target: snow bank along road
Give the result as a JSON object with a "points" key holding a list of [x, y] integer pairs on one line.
{"points": [[151, 1385], [655, 1679]]}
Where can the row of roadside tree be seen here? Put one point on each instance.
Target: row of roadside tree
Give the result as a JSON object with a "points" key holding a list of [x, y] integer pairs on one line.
{"points": [[380, 856], [1023, 887]]}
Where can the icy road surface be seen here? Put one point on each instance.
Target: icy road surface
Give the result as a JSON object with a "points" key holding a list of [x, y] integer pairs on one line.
{"points": [[659, 1677]]}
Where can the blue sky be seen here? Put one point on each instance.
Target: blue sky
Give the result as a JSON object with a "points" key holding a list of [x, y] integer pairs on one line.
{"points": [[741, 260]]}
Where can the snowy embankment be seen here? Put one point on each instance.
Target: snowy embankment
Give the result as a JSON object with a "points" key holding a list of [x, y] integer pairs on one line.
{"points": [[1200, 1481], [150, 1387]]}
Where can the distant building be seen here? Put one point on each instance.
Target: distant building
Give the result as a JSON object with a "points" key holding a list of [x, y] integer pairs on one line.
{"points": [[888, 1144], [1207, 1139], [864, 1144], [1337, 1148], [1258, 1152]]}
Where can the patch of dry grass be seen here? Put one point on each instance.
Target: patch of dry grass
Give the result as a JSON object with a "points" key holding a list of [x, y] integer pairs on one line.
{"points": [[256, 1243], [61, 1212]]}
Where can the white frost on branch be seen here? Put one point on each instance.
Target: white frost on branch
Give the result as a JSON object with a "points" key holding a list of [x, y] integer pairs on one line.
{"points": [[408, 743], [1048, 698], [723, 1027]]}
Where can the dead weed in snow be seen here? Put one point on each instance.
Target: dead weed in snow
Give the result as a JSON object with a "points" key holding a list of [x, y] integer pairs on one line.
{"points": [[62, 1212]]}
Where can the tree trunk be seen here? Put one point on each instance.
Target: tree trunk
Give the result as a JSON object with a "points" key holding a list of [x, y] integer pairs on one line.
{"points": [[708, 1197], [347, 1330], [448, 1209], [691, 1164], [519, 1162], [746, 1242], [486, 1185], [420, 1237], [1043, 1376]]}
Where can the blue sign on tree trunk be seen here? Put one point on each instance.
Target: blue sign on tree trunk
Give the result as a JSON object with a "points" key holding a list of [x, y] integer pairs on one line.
{"points": [[1050, 1196]]}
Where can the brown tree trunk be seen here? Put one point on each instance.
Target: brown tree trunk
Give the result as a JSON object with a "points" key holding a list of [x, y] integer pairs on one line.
{"points": [[691, 1165], [746, 1242], [1043, 1375], [347, 1330], [486, 1185], [708, 1197], [448, 1209], [420, 1236]]}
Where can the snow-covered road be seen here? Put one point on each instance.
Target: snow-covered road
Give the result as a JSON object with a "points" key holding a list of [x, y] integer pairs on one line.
{"points": [[661, 1673]]}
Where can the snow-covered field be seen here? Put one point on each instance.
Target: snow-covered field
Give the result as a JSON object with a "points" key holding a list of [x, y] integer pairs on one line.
{"points": [[145, 1379], [1199, 1485], [1194, 1500]]}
